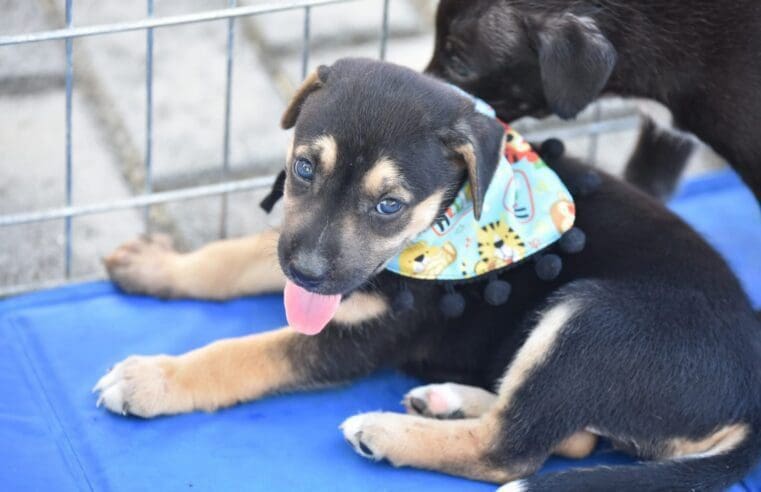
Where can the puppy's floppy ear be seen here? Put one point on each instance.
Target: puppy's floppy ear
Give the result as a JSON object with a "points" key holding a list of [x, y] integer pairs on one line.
{"points": [[314, 81], [575, 60], [476, 142]]}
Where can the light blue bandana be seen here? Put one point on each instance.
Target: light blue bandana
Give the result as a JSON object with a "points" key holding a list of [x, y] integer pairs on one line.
{"points": [[526, 208]]}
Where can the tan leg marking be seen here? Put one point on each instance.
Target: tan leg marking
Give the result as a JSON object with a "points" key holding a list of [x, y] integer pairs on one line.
{"points": [[220, 270], [720, 442], [360, 307], [535, 350], [457, 447], [579, 445], [463, 447], [218, 375], [451, 400], [448, 400]]}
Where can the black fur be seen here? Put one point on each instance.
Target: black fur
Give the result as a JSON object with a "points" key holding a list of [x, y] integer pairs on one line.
{"points": [[664, 345], [658, 160], [701, 59]]}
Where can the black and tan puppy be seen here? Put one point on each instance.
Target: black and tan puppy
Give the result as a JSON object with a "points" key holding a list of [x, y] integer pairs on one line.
{"points": [[700, 58], [646, 338]]}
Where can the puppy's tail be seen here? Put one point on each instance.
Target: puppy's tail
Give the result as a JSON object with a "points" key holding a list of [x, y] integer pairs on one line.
{"points": [[699, 474]]}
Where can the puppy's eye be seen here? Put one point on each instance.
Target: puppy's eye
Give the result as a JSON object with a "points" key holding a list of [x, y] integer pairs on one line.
{"points": [[304, 169], [389, 206]]}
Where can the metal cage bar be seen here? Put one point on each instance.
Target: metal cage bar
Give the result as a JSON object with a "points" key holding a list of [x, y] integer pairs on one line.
{"points": [[228, 108], [148, 180], [69, 178], [172, 20], [307, 35], [384, 31]]}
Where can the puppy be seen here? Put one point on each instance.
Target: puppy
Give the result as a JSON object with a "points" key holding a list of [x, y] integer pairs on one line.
{"points": [[645, 338], [700, 59]]}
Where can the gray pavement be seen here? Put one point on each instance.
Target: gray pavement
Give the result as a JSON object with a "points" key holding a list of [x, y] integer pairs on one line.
{"points": [[189, 93]]}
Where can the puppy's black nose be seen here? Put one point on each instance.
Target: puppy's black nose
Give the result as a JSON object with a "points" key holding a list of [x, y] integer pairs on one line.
{"points": [[306, 278]]}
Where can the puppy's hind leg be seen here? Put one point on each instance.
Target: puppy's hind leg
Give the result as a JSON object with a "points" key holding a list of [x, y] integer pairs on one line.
{"points": [[511, 440], [457, 401]]}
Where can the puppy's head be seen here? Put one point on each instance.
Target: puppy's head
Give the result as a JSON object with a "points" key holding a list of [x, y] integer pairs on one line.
{"points": [[522, 57], [378, 152]]}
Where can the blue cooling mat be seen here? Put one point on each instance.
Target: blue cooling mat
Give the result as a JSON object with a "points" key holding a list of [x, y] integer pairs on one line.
{"points": [[54, 345]]}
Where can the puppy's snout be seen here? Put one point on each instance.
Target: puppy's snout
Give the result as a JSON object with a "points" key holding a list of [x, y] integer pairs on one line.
{"points": [[308, 270]]}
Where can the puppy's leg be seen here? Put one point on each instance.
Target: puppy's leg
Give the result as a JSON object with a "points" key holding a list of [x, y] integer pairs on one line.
{"points": [[448, 401], [512, 439], [220, 270], [457, 401], [239, 369], [658, 160]]}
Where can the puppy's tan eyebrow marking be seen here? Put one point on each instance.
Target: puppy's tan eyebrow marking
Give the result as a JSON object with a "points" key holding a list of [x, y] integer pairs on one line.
{"points": [[300, 151], [383, 175], [328, 151]]}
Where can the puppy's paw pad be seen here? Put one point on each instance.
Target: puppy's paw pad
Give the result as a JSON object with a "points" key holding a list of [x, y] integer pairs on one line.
{"points": [[434, 400], [143, 266], [354, 432], [136, 386]]}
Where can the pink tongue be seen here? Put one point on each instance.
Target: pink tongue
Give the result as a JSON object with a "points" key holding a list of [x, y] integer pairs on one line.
{"points": [[308, 313]]}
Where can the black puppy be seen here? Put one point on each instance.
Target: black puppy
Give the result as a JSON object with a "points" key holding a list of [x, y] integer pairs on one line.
{"points": [[701, 59], [645, 338]]}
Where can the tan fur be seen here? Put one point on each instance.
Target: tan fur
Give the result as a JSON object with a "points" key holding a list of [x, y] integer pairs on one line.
{"points": [[381, 178], [468, 155], [311, 83], [360, 307], [720, 442], [424, 213], [449, 400], [461, 447], [473, 402], [422, 217], [328, 149], [217, 375], [289, 148], [534, 350], [579, 445], [220, 270], [457, 447]]}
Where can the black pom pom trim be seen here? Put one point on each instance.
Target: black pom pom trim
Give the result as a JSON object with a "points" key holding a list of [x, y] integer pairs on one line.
{"points": [[552, 148], [452, 304], [573, 241], [548, 267], [404, 301], [585, 183], [497, 292]]}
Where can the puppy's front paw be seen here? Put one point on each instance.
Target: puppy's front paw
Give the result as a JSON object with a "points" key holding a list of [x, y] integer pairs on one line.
{"points": [[143, 266], [142, 386], [359, 431], [441, 401]]}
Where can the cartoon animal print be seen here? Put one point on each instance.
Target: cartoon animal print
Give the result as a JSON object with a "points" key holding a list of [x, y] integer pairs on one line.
{"points": [[424, 261], [563, 213], [498, 246], [517, 148]]}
